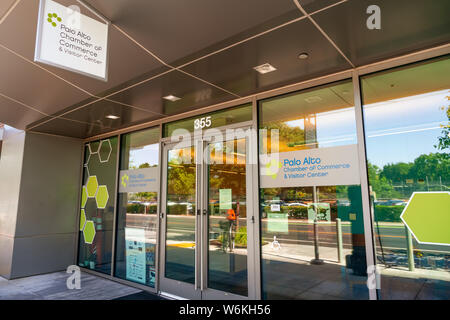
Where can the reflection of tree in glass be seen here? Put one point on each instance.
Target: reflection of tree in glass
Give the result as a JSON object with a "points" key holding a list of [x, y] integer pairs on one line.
{"points": [[181, 180], [427, 170], [444, 140], [289, 137]]}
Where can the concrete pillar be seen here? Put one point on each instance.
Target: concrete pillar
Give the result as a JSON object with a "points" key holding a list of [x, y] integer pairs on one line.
{"points": [[39, 190]]}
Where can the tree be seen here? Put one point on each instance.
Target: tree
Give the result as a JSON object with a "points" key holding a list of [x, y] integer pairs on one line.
{"points": [[181, 181], [380, 185], [396, 172], [288, 136], [444, 140], [433, 166]]}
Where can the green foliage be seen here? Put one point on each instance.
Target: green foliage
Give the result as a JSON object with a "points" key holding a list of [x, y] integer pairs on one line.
{"points": [[388, 213], [177, 209], [431, 166], [397, 172], [140, 208], [380, 185], [181, 181], [292, 136], [296, 212], [241, 236], [146, 196], [444, 140]]}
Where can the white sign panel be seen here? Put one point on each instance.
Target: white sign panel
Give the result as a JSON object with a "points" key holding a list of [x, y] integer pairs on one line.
{"points": [[314, 167], [139, 180], [70, 40]]}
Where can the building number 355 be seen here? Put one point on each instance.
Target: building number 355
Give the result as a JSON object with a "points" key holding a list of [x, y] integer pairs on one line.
{"points": [[201, 123]]}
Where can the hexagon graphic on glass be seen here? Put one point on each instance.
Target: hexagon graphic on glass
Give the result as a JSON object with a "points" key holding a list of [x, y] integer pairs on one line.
{"points": [[82, 219], [84, 196], [87, 154], [93, 147], [92, 186], [102, 197], [427, 216], [89, 232], [104, 151]]}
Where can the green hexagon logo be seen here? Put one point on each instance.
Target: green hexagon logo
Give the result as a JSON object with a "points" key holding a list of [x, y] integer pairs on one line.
{"points": [[102, 197], [82, 219], [52, 17], [89, 232], [427, 216], [84, 196], [92, 186]]}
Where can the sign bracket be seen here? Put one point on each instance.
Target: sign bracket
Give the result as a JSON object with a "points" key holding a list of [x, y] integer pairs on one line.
{"points": [[95, 11]]}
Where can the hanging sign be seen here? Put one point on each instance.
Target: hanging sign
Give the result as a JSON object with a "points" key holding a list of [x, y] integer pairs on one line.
{"points": [[70, 40], [314, 167]]}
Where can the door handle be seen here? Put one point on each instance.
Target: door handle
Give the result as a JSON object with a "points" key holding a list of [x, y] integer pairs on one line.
{"points": [[198, 212], [161, 215], [205, 212]]}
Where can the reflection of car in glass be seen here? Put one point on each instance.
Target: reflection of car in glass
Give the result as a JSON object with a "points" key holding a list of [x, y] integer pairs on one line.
{"points": [[392, 202], [269, 202], [187, 204], [343, 203], [298, 204]]}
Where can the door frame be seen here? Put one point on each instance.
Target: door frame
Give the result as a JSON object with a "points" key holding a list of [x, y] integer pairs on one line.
{"points": [[200, 140]]}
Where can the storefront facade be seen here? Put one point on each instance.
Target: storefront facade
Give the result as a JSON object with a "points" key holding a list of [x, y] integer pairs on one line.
{"points": [[293, 193]]}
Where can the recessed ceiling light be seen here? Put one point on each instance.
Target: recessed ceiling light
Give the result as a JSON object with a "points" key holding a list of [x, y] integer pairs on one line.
{"points": [[265, 68], [303, 56], [171, 98], [111, 116]]}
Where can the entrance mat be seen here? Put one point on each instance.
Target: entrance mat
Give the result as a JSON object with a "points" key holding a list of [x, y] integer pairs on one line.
{"points": [[143, 295]]}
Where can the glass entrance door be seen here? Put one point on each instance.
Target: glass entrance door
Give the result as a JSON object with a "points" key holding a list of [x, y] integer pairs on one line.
{"points": [[205, 251]]}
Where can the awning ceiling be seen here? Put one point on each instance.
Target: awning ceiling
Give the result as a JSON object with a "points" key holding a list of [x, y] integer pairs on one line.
{"points": [[202, 51]]}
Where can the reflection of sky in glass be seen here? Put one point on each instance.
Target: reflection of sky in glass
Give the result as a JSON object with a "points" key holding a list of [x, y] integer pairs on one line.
{"points": [[401, 130], [396, 131], [334, 128], [147, 154]]}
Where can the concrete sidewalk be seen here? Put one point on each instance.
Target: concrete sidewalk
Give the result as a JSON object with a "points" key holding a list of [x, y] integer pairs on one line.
{"points": [[52, 286]]}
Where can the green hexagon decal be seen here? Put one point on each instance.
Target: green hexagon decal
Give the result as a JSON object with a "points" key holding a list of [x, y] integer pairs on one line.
{"points": [[82, 219], [84, 196], [102, 197], [92, 186], [89, 232], [427, 216]]}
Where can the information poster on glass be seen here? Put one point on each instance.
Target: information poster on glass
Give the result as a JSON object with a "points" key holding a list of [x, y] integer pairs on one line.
{"points": [[135, 254], [277, 222], [225, 199]]}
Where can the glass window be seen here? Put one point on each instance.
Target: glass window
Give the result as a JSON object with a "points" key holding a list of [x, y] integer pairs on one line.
{"points": [[137, 207], [97, 205], [406, 114], [211, 120], [180, 220], [310, 196]]}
